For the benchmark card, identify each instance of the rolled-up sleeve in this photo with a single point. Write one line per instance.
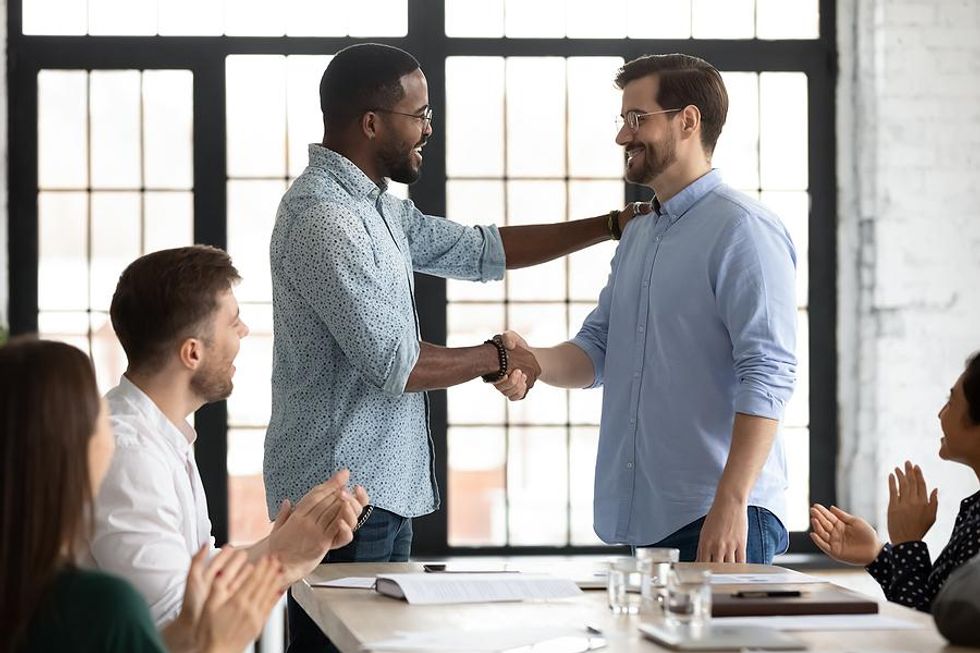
(445, 248)
(755, 292)
(330, 262)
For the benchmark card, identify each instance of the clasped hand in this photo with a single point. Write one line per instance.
(523, 368)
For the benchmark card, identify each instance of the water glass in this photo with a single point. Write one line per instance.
(621, 601)
(688, 597)
(654, 565)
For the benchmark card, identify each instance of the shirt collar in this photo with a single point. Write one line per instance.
(678, 205)
(345, 172)
(181, 438)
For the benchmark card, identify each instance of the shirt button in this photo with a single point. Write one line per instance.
(646, 284)
(629, 465)
(636, 375)
(632, 420)
(642, 328)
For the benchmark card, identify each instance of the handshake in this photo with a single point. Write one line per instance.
(523, 368)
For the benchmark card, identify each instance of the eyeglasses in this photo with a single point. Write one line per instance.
(632, 118)
(425, 116)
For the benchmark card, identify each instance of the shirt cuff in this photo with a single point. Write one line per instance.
(757, 402)
(494, 261)
(596, 354)
(881, 567)
(406, 356)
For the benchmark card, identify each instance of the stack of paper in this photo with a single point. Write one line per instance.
(427, 589)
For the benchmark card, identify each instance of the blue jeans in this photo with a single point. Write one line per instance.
(767, 538)
(384, 537)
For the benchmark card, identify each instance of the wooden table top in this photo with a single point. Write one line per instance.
(353, 617)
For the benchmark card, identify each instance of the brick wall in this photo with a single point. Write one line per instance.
(909, 239)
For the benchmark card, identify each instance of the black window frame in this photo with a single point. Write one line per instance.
(426, 39)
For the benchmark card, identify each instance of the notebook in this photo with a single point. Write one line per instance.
(824, 599)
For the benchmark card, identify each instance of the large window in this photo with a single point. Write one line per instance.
(130, 137)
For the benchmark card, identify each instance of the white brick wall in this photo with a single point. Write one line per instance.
(909, 239)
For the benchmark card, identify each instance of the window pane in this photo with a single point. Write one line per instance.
(478, 509)
(475, 402)
(797, 442)
(251, 402)
(116, 129)
(108, 356)
(191, 17)
(787, 19)
(783, 143)
(737, 152)
(251, 215)
(542, 325)
(126, 17)
(588, 269)
(63, 251)
(317, 17)
(582, 456)
(474, 116)
(536, 117)
(69, 327)
(530, 202)
(247, 515)
(62, 129)
(793, 208)
(115, 242)
(590, 19)
(475, 202)
(659, 19)
(379, 18)
(305, 121)
(537, 486)
(475, 18)
(534, 18)
(254, 18)
(55, 17)
(168, 119)
(168, 220)
(723, 19)
(593, 104)
(256, 111)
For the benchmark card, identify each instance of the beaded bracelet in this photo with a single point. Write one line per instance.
(497, 342)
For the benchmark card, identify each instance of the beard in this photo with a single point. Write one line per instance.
(398, 162)
(212, 382)
(655, 161)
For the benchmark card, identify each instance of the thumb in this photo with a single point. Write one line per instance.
(285, 509)
(511, 339)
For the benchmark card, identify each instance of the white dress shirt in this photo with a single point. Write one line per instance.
(151, 514)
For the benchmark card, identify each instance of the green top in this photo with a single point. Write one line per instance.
(91, 611)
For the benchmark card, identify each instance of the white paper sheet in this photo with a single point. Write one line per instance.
(351, 582)
(427, 589)
(823, 622)
(553, 638)
(779, 578)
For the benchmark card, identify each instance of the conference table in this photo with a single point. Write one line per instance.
(352, 618)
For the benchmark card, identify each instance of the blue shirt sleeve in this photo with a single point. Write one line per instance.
(332, 266)
(594, 333)
(754, 275)
(445, 248)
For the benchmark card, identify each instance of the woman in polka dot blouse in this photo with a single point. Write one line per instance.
(903, 567)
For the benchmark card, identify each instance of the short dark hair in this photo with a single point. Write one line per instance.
(49, 408)
(971, 387)
(360, 78)
(166, 296)
(684, 80)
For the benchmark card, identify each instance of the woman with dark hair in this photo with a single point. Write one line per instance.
(56, 448)
(903, 567)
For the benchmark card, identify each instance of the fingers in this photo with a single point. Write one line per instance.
(828, 519)
(513, 386)
(321, 496)
(822, 543)
(903, 484)
(892, 489)
(361, 497)
(934, 502)
(220, 562)
(845, 517)
(199, 561)
(920, 483)
(820, 527)
(641, 208)
(510, 340)
(285, 508)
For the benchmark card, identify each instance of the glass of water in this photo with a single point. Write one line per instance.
(688, 597)
(621, 601)
(654, 565)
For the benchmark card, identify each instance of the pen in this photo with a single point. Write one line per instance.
(767, 594)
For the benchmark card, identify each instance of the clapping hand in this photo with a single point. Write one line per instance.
(911, 507)
(843, 536)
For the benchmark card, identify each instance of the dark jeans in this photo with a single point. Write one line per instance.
(767, 538)
(384, 537)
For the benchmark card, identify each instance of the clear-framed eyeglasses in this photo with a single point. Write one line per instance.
(632, 118)
(425, 116)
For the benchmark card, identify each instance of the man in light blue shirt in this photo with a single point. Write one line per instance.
(350, 370)
(692, 340)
